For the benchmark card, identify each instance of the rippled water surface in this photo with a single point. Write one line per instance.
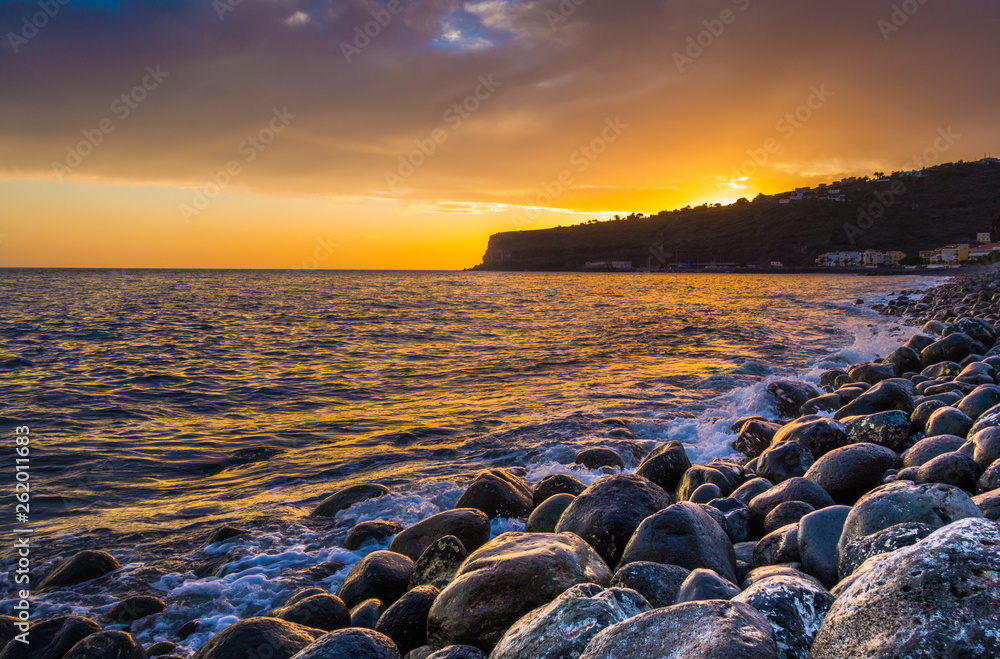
(165, 403)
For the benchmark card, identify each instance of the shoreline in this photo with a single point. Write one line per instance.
(758, 583)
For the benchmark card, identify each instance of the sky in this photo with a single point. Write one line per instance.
(401, 134)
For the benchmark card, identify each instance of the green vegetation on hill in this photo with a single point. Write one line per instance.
(950, 203)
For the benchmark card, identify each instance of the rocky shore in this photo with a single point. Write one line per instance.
(861, 521)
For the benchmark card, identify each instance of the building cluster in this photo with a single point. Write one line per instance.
(867, 259)
(963, 251)
(823, 192)
(608, 265)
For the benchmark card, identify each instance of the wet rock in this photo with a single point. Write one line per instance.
(989, 504)
(792, 570)
(498, 493)
(383, 575)
(556, 484)
(829, 377)
(938, 598)
(366, 614)
(744, 493)
(347, 497)
(817, 433)
(980, 400)
(82, 566)
(350, 644)
(597, 457)
(702, 584)
(789, 512)
(795, 608)
(545, 517)
(607, 513)
(754, 437)
(904, 359)
(303, 593)
(499, 583)
(977, 329)
(884, 541)
(922, 414)
(705, 493)
(929, 448)
(903, 501)
(871, 373)
(319, 611)
(712, 629)
(948, 421)
(51, 638)
(783, 461)
(952, 348)
(933, 327)
(990, 480)
(818, 535)
(850, 472)
(370, 532)
(471, 527)
(780, 546)
(107, 645)
(665, 465)
(565, 626)
(951, 469)
(160, 648)
(699, 475)
(246, 637)
(131, 609)
(985, 446)
(890, 429)
(405, 622)
(457, 652)
(939, 369)
(656, 582)
(683, 534)
(791, 395)
(439, 563)
(794, 489)
(826, 403)
(224, 533)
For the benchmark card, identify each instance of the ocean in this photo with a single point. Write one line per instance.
(163, 404)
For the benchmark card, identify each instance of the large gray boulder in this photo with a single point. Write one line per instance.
(471, 527)
(937, 598)
(850, 472)
(383, 575)
(506, 578)
(565, 626)
(608, 512)
(903, 501)
(794, 606)
(711, 629)
(685, 535)
(882, 542)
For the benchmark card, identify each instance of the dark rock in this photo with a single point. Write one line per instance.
(500, 582)
(107, 645)
(736, 515)
(904, 359)
(82, 566)
(705, 493)
(794, 606)
(405, 622)
(131, 609)
(791, 570)
(665, 465)
(698, 475)
(828, 377)
(658, 583)
(952, 348)
(818, 535)
(948, 421)
(702, 584)
(439, 563)
(347, 497)
(817, 433)
(951, 469)
(871, 373)
(458, 652)
(320, 611)
(160, 648)
(882, 542)
(850, 472)
(498, 493)
(545, 516)
(783, 461)
(52, 638)
(922, 414)
(780, 546)
(607, 513)
(556, 484)
(370, 532)
(931, 447)
(711, 629)
(990, 480)
(890, 395)
(890, 429)
(790, 395)
(939, 369)
(977, 329)
(383, 575)
(789, 512)
(683, 534)
(794, 489)
(303, 593)
(366, 614)
(246, 637)
(849, 393)
(224, 533)
(826, 403)
(746, 492)
(349, 644)
(903, 501)
(754, 437)
(933, 327)
(980, 400)
(565, 626)
(471, 527)
(985, 446)
(595, 458)
(937, 598)
(989, 504)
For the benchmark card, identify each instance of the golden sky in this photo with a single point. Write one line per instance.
(276, 134)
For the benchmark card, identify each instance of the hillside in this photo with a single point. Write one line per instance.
(949, 203)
